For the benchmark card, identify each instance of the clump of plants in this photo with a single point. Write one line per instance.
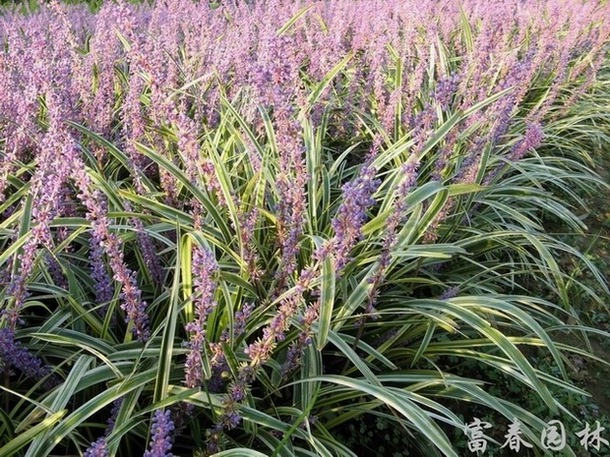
(242, 229)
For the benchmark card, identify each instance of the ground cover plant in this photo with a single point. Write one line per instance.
(241, 229)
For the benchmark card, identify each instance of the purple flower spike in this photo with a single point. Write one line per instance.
(450, 293)
(162, 428)
(103, 283)
(14, 355)
(97, 213)
(204, 269)
(351, 216)
(531, 140)
(97, 449)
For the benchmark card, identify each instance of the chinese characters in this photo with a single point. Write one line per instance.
(552, 438)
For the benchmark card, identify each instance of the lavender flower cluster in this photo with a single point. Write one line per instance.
(204, 268)
(14, 355)
(272, 66)
(99, 448)
(161, 441)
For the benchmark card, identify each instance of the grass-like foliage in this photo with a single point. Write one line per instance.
(242, 228)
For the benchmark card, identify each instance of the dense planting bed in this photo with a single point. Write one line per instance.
(252, 227)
